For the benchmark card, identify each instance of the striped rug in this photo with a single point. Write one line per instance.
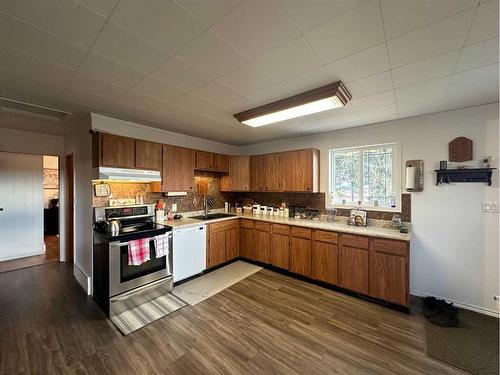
(139, 316)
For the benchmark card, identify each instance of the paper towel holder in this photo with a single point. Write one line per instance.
(418, 184)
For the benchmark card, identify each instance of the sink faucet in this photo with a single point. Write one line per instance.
(205, 204)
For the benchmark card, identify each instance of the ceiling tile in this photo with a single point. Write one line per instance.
(474, 95)
(168, 25)
(121, 45)
(431, 88)
(437, 38)
(474, 77)
(94, 86)
(241, 104)
(197, 105)
(255, 27)
(351, 32)
(143, 102)
(367, 62)
(424, 70)
(385, 112)
(403, 16)
(50, 90)
(373, 101)
(479, 54)
(485, 23)
(31, 66)
(28, 95)
(209, 11)
(308, 15)
(216, 93)
(289, 60)
(110, 71)
(158, 89)
(29, 39)
(415, 107)
(370, 85)
(77, 98)
(247, 79)
(181, 75)
(103, 7)
(67, 19)
(211, 55)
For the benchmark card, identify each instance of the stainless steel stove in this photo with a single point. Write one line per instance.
(119, 286)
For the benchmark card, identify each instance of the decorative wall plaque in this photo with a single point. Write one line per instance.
(460, 149)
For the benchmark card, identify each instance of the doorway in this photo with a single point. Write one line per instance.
(51, 207)
(69, 206)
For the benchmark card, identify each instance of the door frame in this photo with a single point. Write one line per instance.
(68, 218)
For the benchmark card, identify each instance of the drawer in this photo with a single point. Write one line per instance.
(301, 232)
(352, 240)
(382, 245)
(281, 229)
(223, 225)
(262, 226)
(246, 223)
(325, 236)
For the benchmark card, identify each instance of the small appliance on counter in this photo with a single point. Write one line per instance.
(297, 211)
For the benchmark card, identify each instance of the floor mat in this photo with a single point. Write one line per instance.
(199, 289)
(137, 317)
(472, 347)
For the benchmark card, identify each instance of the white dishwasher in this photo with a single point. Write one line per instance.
(189, 251)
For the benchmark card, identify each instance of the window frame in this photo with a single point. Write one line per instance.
(396, 177)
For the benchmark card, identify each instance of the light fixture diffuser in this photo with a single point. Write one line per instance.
(323, 98)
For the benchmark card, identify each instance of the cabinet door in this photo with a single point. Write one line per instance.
(217, 248)
(239, 173)
(246, 243)
(302, 170)
(353, 269)
(177, 169)
(273, 172)
(221, 163)
(204, 160)
(279, 254)
(325, 262)
(256, 173)
(232, 243)
(261, 241)
(117, 151)
(300, 256)
(388, 280)
(148, 155)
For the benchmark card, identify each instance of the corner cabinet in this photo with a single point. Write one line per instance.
(178, 169)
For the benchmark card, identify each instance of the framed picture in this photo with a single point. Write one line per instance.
(357, 218)
(102, 190)
(443, 165)
(50, 178)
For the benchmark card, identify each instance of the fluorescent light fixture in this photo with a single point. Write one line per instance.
(321, 99)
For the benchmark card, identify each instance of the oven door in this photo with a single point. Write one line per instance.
(123, 278)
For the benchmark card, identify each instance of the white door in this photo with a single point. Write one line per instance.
(21, 205)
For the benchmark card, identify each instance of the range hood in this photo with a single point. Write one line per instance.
(125, 174)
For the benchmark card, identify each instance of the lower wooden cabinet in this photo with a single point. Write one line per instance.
(300, 256)
(261, 243)
(246, 243)
(279, 254)
(324, 264)
(223, 242)
(389, 271)
(353, 263)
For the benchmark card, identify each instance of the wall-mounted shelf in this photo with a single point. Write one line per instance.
(446, 176)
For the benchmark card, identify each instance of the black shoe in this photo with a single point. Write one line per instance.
(433, 306)
(446, 318)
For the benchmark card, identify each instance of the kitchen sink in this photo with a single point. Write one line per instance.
(211, 216)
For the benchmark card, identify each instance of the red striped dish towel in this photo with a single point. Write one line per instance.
(138, 251)
(161, 245)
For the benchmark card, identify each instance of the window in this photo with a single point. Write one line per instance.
(365, 174)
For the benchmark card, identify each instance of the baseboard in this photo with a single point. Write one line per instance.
(462, 305)
(83, 279)
(23, 256)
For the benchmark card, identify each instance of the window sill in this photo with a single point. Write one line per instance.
(366, 208)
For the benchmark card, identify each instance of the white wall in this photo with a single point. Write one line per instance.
(130, 129)
(21, 197)
(454, 249)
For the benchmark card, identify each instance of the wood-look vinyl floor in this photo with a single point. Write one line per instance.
(266, 323)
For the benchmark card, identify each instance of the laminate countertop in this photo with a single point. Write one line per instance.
(339, 225)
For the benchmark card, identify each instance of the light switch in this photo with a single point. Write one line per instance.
(174, 207)
(489, 206)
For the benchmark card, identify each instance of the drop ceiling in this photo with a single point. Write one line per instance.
(188, 65)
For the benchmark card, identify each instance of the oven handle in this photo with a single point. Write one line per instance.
(149, 239)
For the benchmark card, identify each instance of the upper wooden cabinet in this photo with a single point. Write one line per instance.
(208, 161)
(238, 178)
(302, 170)
(178, 169)
(291, 171)
(116, 151)
(148, 155)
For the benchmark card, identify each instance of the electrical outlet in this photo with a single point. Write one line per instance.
(174, 207)
(489, 206)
